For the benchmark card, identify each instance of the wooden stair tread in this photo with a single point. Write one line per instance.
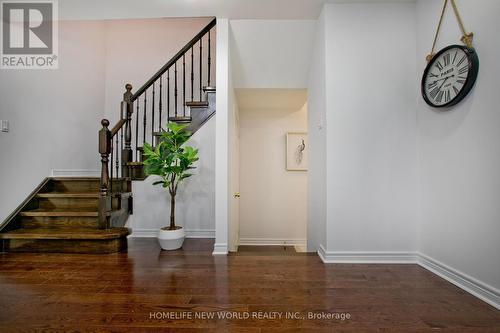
(60, 212)
(209, 89)
(180, 119)
(74, 233)
(76, 179)
(90, 195)
(197, 104)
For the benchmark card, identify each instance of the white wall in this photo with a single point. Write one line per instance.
(195, 205)
(272, 53)
(371, 179)
(459, 155)
(54, 114)
(316, 219)
(225, 105)
(273, 204)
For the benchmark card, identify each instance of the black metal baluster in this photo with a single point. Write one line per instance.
(161, 103)
(192, 73)
(209, 58)
(183, 85)
(168, 96)
(201, 57)
(144, 120)
(137, 130)
(153, 117)
(175, 89)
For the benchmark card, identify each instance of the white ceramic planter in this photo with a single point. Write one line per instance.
(171, 239)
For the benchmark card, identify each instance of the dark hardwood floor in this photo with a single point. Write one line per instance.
(150, 290)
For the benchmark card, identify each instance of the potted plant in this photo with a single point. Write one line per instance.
(171, 161)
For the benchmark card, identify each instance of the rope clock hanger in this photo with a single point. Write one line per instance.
(451, 72)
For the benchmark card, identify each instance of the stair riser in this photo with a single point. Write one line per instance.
(73, 203)
(58, 222)
(75, 186)
(64, 246)
(85, 186)
(137, 172)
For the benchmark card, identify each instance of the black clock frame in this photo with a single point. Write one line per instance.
(473, 60)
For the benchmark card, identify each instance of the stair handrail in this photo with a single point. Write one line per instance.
(174, 59)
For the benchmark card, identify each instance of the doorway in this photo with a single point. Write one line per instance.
(270, 184)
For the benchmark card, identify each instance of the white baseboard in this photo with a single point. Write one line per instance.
(75, 173)
(200, 233)
(220, 249)
(370, 257)
(272, 241)
(473, 286)
(190, 233)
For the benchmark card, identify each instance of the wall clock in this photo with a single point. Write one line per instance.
(451, 73)
(450, 76)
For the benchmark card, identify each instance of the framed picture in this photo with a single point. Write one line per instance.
(297, 147)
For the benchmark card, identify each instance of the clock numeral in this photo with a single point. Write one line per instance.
(432, 85)
(455, 57)
(434, 92)
(447, 59)
(447, 96)
(461, 80)
(433, 75)
(456, 90)
(463, 70)
(439, 66)
(439, 96)
(461, 61)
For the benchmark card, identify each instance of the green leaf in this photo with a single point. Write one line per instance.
(170, 159)
(176, 128)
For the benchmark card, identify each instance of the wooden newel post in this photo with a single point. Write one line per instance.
(104, 150)
(127, 110)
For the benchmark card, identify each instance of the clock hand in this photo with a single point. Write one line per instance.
(446, 79)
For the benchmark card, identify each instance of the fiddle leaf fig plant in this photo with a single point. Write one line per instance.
(171, 160)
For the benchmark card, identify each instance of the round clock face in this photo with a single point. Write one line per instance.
(450, 76)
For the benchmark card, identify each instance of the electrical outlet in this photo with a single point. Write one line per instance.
(4, 125)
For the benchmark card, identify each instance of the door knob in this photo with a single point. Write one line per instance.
(237, 194)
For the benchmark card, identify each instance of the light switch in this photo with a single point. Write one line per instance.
(4, 125)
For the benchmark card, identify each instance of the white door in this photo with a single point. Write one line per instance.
(234, 180)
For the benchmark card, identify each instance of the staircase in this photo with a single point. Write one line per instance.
(61, 215)
(88, 215)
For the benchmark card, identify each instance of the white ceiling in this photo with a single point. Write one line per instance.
(284, 63)
(234, 9)
(262, 99)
